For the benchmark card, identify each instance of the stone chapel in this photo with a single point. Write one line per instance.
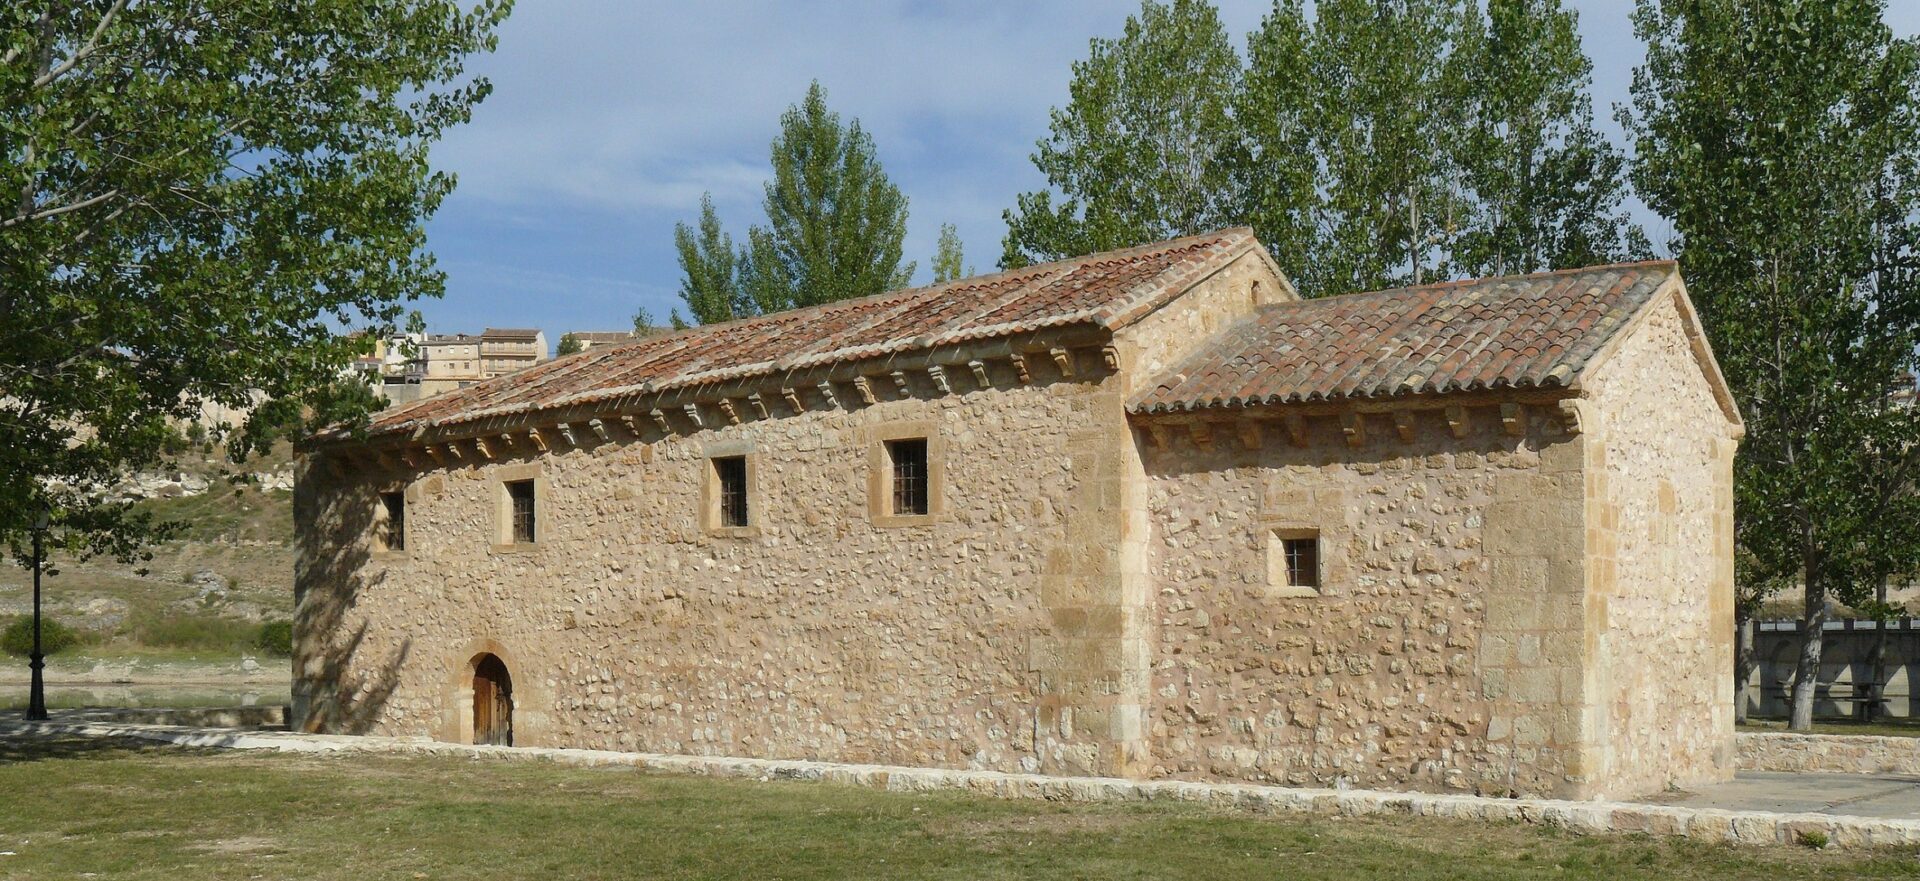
(1144, 513)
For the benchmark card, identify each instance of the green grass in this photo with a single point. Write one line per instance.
(121, 811)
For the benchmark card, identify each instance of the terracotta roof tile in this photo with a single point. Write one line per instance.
(1531, 331)
(1107, 290)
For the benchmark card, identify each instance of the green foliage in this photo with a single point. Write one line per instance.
(1144, 149)
(1546, 186)
(1781, 138)
(1369, 145)
(1811, 838)
(709, 269)
(55, 637)
(949, 259)
(197, 632)
(643, 322)
(569, 345)
(275, 638)
(196, 202)
(835, 224)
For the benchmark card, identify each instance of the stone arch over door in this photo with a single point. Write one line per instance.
(457, 721)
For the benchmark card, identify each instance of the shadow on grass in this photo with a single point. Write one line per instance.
(17, 748)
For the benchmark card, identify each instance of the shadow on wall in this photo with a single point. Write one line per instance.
(336, 688)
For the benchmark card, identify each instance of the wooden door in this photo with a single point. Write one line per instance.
(492, 702)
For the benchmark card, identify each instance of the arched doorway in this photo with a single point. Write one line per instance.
(492, 701)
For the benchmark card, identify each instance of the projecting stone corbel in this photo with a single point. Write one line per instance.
(1020, 367)
(759, 405)
(1457, 421)
(864, 389)
(726, 407)
(1110, 356)
(1062, 359)
(413, 459)
(506, 440)
(1354, 426)
(433, 452)
(1202, 435)
(693, 415)
(599, 429)
(979, 369)
(452, 451)
(1572, 414)
(1513, 419)
(629, 424)
(480, 447)
(1296, 429)
(1249, 430)
(900, 383)
(660, 419)
(793, 400)
(938, 375)
(826, 391)
(538, 438)
(1403, 424)
(566, 433)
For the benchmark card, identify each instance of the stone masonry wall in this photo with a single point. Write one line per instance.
(1382, 680)
(1661, 599)
(1007, 633)
(820, 634)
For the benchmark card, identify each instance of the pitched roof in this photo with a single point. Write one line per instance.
(509, 333)
(1530, 331)
(1106, 290)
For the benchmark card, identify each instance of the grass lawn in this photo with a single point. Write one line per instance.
(125, 811)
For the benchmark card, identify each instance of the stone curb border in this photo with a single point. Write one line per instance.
(1580, 817)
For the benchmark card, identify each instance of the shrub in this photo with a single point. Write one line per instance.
(55, 637)
(1813, 838)
(276, 638)
(198, 632)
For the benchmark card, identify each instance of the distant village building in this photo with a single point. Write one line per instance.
(591, 338)
(1144, 513)
(506, 350)
(449, 361)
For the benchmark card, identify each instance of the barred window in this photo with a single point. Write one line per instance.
(520, 493)
(393, 533)
(730, 477)
(909, 458)
(1303, 562)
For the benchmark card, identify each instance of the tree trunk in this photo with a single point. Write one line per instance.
(1813, 627)
(1742, 664)
(1871, 711)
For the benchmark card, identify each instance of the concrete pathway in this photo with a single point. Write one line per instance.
(1852, 795)
(1757, 808)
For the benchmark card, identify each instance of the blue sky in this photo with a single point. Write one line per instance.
(609, 119)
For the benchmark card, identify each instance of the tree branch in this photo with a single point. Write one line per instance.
(45, 213)
(93, 43)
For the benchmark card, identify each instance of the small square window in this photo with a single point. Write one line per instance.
(1293, 562)
(393, 528)
(730, 478)
(909, 459)
(520, 495)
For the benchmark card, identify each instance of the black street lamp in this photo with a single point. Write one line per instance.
(37, 662)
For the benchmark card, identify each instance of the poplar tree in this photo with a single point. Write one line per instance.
(835, 222)
(1144, 149)
(1545, 187)
(949, 261)
(1781, 137)
(709, 270)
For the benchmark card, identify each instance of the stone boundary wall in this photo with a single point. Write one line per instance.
(1579, 817)
(1828, 753)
